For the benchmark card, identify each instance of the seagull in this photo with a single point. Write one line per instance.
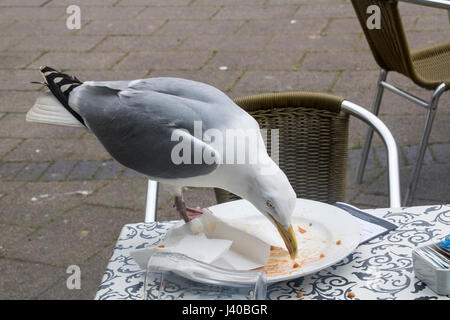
(179, 132)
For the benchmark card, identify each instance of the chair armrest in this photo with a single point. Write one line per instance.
(389, 142)
(442, 4)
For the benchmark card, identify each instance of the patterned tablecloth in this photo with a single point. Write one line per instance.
(379, 269)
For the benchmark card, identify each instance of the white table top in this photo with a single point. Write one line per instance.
(379, 269)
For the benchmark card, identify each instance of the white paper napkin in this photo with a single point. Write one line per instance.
(213, 241)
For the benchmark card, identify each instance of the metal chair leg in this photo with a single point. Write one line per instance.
(431, 113)
(369, 135)
(151, 201)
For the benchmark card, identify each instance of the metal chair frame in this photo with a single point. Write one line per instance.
(430, 106)
(354, 110)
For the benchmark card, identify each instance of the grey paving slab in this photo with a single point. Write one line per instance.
(34, 204)
(58, 170)
(127, 193)
(9, 170)
(84, 170)
(108, 170)
(431, 188)
(411, 152)
(24, 280)
(441, 152)
(91, 272)
(84, 233)
(32, 171)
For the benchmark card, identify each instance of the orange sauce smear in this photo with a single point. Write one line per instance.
(280, 263)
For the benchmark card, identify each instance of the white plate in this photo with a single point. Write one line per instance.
(330, 231)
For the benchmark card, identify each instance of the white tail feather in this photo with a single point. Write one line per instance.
(47, 109)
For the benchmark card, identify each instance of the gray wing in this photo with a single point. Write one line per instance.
(135, 121)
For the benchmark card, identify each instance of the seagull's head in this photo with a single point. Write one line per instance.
(273, 195)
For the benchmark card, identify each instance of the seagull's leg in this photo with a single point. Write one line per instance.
(181, 207)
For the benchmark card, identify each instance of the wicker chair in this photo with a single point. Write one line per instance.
(313, 132)
(313, 141)
(428, 68)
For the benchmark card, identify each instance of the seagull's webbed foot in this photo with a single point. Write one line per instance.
(194, 213)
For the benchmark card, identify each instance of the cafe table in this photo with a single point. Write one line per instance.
(381, 268)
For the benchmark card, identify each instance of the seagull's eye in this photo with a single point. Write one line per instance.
(270, 204)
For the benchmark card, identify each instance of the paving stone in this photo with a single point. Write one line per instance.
(441, 152)
(222, 80)
(267, 60)
(330, 10)
(108, 170)
(199, 197)
(354, 158)
(130, 173)
(283, 27)
(195, 27)
(261, 12)
(58, 43)
(41, 150)
(92, 272)
(338, 61)
(204, 12)
(34, 14)
(35, 204)
(124, 3)
(9, 42)
(10, 60)
(225, 43)
(410, 153)
(84, 170)
(14, 125)
(128, 193)
(58, 170)
(83, 229)
(9, 170)
(19, 80)
(78, 61)
(313, 42)
(164, 61)
(110, 75)
(122, 27)
(30, 27)
(22, 3)
(431, 188)
(381, 154)
(10, 235)
(17, 101)
(431, 23)
(32, 171)
(7, 145)
(419, 40)
(264, 81)
(82, 3)
(153, 43)
(109, 13)
(357, 81)
(32, 277)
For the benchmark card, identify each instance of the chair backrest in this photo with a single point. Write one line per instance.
(313, 141)
(388, 44)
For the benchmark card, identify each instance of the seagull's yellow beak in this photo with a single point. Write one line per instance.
(288, 237)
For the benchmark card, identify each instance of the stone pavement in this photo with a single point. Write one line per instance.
(63, 200)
